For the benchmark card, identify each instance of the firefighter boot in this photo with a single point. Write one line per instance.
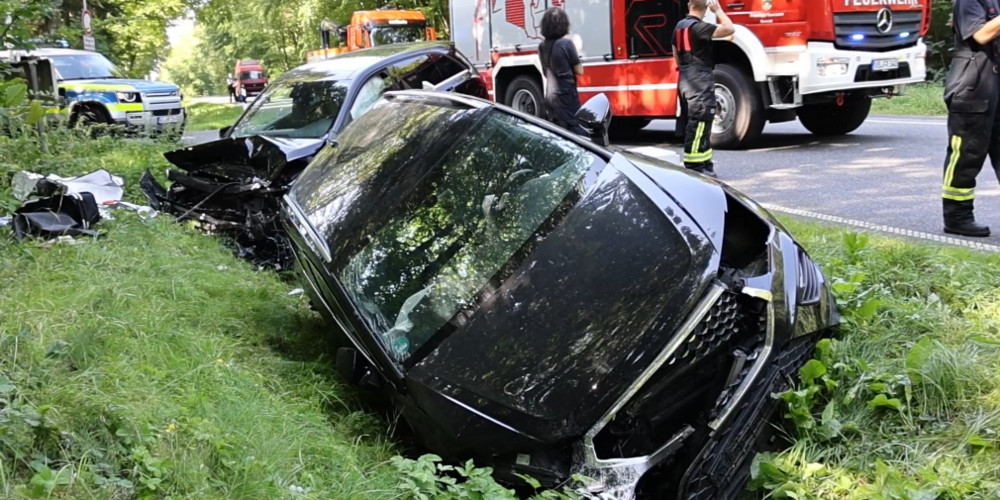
(958, 219)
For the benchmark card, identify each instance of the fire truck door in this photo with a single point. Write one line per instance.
(652, 79)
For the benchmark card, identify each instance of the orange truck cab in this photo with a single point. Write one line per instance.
(250, 75)
(372, 28)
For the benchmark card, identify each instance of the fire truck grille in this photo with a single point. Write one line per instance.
(860, 31)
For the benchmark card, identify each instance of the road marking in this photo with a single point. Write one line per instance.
(909, 122)
(870, 226)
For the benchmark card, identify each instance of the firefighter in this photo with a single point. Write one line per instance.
(692, 42)
(971, 92)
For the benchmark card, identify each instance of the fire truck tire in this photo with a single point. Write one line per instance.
(622, 126)
(525, 95)
(739, 116)
(828, 119)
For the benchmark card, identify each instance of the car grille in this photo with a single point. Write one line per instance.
(718, 326)
(161, 94)
(849, 24)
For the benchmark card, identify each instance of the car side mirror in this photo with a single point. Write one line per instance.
(224, 131)
(595, 115)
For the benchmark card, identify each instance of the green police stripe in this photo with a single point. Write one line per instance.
(101, 87)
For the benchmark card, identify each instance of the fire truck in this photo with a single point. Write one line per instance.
(371, 28)
(821, 61)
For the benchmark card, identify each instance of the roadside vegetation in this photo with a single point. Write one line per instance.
(208, 116)
(151, 363)
(925, 99)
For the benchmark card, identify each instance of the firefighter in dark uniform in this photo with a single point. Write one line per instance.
(692, 42)
(971, 92)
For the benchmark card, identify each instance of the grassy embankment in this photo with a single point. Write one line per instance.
(152, 363)
(921, 99)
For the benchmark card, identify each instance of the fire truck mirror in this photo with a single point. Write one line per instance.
(595, 114)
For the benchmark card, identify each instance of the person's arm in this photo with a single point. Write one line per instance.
(572, 57)
(725, 26)
(989, 32)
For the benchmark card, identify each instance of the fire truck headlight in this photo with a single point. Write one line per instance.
(832, 66)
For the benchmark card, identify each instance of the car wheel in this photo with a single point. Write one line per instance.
(831, 118)
(739, 114)
(525, 95)
(88, 117)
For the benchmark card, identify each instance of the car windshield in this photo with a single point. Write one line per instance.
(296, 107)
(454, 196)
(384, 35)
(85, 67)
(252, 75)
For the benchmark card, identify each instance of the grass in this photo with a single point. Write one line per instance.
(151, 363)
(920, 99)
(208, 116)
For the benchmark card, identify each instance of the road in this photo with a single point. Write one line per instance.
(886, 176)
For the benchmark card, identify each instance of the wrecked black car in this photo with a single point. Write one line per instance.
(233, 186)
(547, 307)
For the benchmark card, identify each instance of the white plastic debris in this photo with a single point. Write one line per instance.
(5, 221)
(221, 268)
(297, 291)
(23, 184)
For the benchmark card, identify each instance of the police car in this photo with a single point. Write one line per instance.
(95, 91)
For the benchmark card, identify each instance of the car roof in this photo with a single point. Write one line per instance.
(55, 52)
(347, 65)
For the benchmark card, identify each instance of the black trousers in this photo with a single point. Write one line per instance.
(697, 87)
(972, 92)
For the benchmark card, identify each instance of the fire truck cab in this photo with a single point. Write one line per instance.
(372, 28)
(822, 62)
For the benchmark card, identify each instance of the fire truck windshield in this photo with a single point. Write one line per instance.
(384, 35)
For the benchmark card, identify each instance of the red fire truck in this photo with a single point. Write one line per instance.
(819, 60)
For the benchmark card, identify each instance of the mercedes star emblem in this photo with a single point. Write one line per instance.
(883, 20)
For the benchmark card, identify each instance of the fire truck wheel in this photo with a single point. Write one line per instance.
(525, 95)
(739, 116)
(828, 118)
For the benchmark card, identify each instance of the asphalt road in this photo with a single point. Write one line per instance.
(886, 176)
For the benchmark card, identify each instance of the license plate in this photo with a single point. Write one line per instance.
(168, 119)
(885, 64)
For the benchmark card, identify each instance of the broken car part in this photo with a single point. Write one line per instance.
(56, 216)
(549, 308)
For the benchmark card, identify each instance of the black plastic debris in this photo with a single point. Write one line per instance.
(56, 216)
(233, 188)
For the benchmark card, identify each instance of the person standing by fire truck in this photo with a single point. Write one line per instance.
(971, 92)
(561, 65)
(692, 42)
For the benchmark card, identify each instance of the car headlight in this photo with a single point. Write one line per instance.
(127, 96)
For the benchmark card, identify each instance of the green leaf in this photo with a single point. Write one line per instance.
(980, 339)
(15, 95)
(868, 309)
(881, 401)
(812, 370)
(978, 442)
(918, 358)
(35, 112)
(530, 480)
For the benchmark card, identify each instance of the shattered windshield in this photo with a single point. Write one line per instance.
(85, 67)
(298, 108)
(472, 193)
(384, 35)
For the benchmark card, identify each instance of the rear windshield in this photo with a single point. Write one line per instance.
(424, 207)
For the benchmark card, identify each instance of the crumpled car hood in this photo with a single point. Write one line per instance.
(587, 311)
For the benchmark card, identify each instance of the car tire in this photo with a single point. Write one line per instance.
(739, 114)
(524, 94)
(88, 117)
(830, 119)
(625, 126)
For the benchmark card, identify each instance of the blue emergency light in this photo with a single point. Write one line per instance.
(857, 37)
(904, 34)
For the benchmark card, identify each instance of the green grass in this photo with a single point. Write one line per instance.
(920, 99)
(906, 404)
(152, 363)
(207, 116)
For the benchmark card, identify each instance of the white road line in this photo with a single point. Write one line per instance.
(870, 226)
(909, 122)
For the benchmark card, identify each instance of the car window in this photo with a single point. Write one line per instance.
(85, 67)
(368, 95)
(460, 226)
(384, 35)
(431, 68)
(294, 108)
